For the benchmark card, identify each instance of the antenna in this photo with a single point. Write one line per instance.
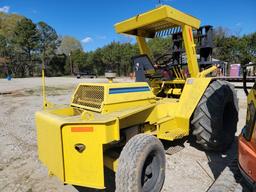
(160, 2)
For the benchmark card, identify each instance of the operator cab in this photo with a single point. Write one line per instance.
(145, 70)
(165, 76)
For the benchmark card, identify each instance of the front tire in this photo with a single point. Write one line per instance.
(141, 165)
(214, 122)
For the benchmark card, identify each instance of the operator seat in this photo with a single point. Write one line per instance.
(144, 68)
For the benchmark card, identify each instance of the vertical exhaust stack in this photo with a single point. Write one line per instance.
(46, 104)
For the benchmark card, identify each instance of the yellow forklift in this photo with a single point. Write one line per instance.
(121, 125)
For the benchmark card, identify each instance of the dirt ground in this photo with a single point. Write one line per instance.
(20, 170)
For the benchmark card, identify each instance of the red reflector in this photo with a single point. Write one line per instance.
(81, 129)
(190, 34)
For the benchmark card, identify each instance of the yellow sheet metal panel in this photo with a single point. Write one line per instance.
(165, 108)
(163, 17)
(170, 134)
(54, 142)
(138, 117)
(193, 91)
(64, 111)
(191, 95)
(111, 132)
(109, 108)
(83, 155)
(167, 124)
(172, 116)
(127, 92)
(50, 143)
(179, 18)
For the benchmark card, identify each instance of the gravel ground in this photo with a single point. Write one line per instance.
(20, 170)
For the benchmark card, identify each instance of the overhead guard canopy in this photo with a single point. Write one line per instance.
(161, 18)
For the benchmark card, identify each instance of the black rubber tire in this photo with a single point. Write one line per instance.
(228, 180)
(214, 122)
(132, 165)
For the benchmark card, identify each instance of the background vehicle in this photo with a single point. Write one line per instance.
(231, 178)
(119, 125)
(86, 74)
(247, 139)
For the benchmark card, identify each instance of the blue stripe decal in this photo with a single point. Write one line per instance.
(128, 90)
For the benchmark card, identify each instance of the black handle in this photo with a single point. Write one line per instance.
(80, 147)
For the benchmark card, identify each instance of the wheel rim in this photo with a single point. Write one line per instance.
(150, 172)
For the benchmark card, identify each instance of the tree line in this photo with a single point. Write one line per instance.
(234, 48)
(25, 45)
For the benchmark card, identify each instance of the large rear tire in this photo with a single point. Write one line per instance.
(214, 122)
(141, 165)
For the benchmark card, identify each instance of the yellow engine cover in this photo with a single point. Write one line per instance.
(110, 97)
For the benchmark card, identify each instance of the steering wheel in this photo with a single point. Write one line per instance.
(163, 60)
